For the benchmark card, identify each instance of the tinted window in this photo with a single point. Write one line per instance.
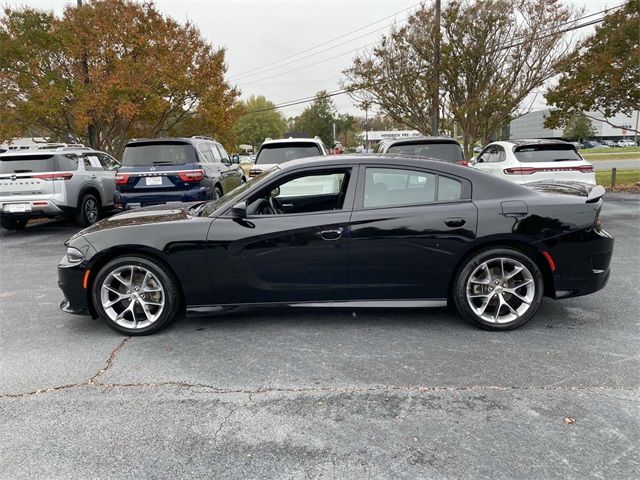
(546, 153)
(449, 189)
(206, 152)
(450, 152)
(27, 164)
(158, 153)
(108, 163)
(283, 152)
(392, 187)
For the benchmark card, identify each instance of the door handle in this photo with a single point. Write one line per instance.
(94, 176)
(455, 222)
(331, 234)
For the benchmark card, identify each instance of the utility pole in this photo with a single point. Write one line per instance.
(366, 105)
(91, 131)
(435, 101)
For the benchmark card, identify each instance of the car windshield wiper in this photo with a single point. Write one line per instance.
(163, 163)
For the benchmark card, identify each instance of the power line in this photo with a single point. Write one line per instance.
(328, 41)
(506, 47)
(312, 55)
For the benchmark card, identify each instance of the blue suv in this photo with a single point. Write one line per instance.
(161, 170)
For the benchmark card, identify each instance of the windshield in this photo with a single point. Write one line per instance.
(144, 154)
(235, 193)
(27, 164)
(450, 152)
(547, 153)
(285, 151)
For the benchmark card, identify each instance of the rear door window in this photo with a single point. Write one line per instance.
(143, 154)
(546, 153)
(92, 163)
(387, 187)
(27, 164)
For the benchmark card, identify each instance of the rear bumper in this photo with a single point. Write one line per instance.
(128, 200)
(33, 208)
(582, 262)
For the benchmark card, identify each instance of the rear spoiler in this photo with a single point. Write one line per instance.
(596, 194)
(591, 193)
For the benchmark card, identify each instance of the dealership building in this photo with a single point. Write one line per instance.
(531, 125)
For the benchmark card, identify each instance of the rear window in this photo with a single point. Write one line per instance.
(158, 153)
(27, 164)
(283, 152)
(450, 152)
(546, 153)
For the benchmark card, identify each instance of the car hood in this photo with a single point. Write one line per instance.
(170, 212)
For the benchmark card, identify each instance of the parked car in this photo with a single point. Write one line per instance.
(477, 149)
(76, 182)
(609, 143)
(245, 162)
(526, 161)
(393, 233)
(161, 170)
(626, 143)
(440, 148)
(274, 152)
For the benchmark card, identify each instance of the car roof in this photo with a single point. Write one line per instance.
(51, 151)
(291, 140)
(533, 141)
(382, 159)
(422, 139)
(171, 139)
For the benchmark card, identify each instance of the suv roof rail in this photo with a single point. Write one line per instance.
(202, 137)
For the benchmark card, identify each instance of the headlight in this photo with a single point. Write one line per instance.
(74, 255)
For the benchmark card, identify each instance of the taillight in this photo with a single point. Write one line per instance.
(191, 175)
(464, 163)
(531, 170)
(54, 176)
(519, 171)
(121, 178)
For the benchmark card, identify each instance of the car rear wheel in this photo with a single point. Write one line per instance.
(217, 193)
(88, 211)
(135, 295)
(14, 223)
(498, 289)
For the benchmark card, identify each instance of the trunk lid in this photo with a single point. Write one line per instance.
(32, 174)
(590, 193)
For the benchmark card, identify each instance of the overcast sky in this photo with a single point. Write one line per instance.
(258, 33)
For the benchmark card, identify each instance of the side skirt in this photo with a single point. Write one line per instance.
(213, 309)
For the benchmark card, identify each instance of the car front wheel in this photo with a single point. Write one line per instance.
(135, 295)
(498, 289)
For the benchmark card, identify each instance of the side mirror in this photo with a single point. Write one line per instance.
(473, 160)
(235, 159)
(239, 210)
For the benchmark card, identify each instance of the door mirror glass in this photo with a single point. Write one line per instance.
(235, 159)
(473, 160)
(239, 210)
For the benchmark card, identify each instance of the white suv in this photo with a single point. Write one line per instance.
(626, 143)
(526, 161)
(78, 182)
(274, 152)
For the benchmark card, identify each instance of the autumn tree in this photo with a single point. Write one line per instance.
(259, 121)
(108, 71)
(604, 76)
(494, 53)
(578, 127)
(318, 119)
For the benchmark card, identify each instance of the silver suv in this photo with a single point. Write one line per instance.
(76, 182)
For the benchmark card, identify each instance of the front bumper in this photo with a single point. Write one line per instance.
(70, 282)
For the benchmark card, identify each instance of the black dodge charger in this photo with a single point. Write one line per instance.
(346, 232)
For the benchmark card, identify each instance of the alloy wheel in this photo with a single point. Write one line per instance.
(500, 290)
(132, 296)
(91, 210)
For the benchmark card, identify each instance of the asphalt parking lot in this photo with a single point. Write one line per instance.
(319, 394)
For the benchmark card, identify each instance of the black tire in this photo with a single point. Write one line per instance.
(13, 223)
(217, 193)
(88, 211)
(462, 302)
(167, 280)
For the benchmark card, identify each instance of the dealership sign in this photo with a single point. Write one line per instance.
(375, 135)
